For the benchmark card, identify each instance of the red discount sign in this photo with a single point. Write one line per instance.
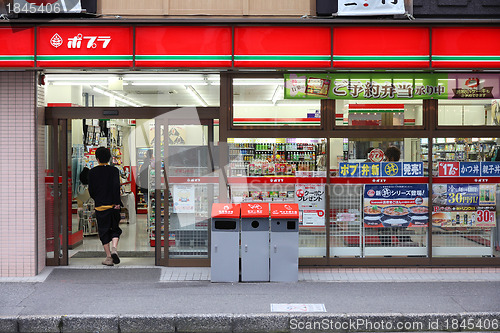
(449, 169)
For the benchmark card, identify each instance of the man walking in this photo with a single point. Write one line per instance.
(104, 188)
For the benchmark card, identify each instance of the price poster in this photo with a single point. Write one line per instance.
(184, 199)
(311, 200)
(396, 205)
(464, 205)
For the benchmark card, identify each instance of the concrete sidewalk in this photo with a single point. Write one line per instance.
(179, 274)
(157, 299)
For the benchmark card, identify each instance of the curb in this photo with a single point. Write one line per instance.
(255, 323)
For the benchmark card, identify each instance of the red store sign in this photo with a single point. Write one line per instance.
(183, 46)
(301, 46)
(17, 47)
(79, 46)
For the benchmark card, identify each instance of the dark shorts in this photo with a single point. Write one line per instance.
(108, 223)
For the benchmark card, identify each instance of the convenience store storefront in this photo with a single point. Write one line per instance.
(237, 113)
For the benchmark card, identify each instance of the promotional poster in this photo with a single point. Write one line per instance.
(464, 205)
(396, 205)
(311, 200)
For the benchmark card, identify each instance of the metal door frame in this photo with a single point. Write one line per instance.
(166, 260)
(57, 119)
(59, 152)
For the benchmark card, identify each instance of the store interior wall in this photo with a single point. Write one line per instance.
(65, 94)
(463, 114)
(277, 111)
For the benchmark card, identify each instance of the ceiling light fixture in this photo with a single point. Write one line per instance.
(169, 83)
(277, 94)
(196, 95)
(116, 96)
(257, 82)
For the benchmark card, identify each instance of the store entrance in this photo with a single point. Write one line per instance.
(168, 170)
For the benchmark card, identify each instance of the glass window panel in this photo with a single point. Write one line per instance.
(378, 113)
(129, 146)
(474, 112)
(260, 102)
(272, 168)
(373, 218)
(184, 155)
(357, 150)
(136, 90)
(464, 217)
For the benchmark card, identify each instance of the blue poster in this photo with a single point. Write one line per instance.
(462, 195)
(396, 205)
(470, 169)
(392, 169)
(369, 169)
(490, 169)
(413, 169)
(384, 169)
(348, 169)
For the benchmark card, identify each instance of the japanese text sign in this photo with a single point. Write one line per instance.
(384, 169)
(288, 210)
(449, 169)
(464, 205)
(463, 195)
(311, 201)
(370, 7)
(184, 199)
(82, 46)
(257, 209)
(469, 169)
(369, 86)
(310, 194)
(491, 169)
(375, 86)
(221, 210)
(396, 205)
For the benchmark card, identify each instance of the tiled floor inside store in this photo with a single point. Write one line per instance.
(134, 239)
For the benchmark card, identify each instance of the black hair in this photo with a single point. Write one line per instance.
(103, 154)
(393, 153)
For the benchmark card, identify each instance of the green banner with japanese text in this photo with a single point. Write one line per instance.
(371, 86)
